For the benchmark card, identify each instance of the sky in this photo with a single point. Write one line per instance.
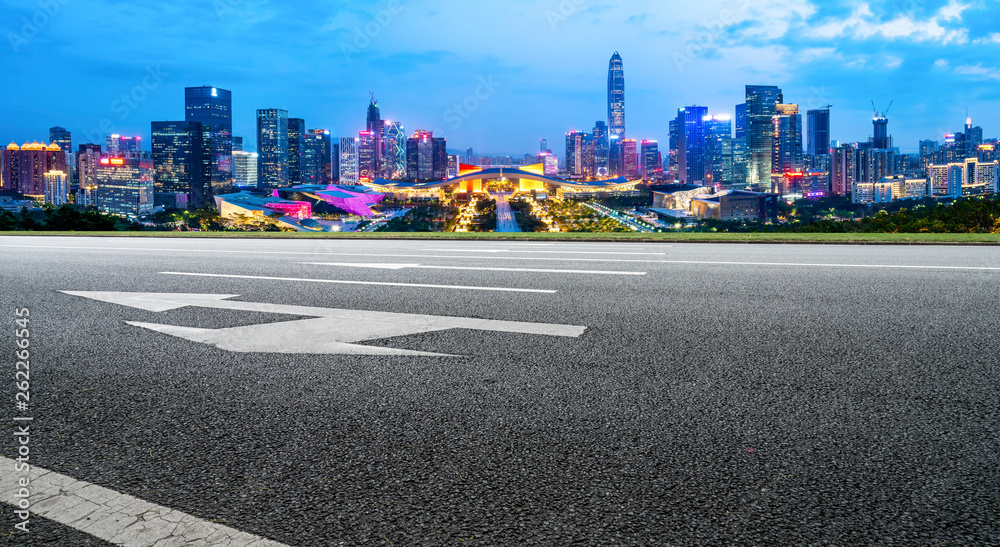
(496, 76)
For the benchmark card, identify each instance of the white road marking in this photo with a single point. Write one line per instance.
(821, 265)
(115, 517)
(377, 283)
(327, 331)
(473, 268)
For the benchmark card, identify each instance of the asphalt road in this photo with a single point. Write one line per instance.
(731, 395)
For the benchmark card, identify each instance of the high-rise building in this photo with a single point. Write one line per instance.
(348, 160)
(600, 143)
(843, 170)
(272, 148)
(212, 107)
(426, 156)
(616, 166)
(64, 139)
(616, 97)
(125, 185)
(375, 127)
(118, 144)
(761, 106)
(329, 174)
(367, 156)
(24, 167)
(630, 159)
(691, 140)
(311, 171)
(787, 139)
(881, 140)
(543, 146)
(575, 152)
(718, 128)
(741, 121)
(245, 169)
(179, 161)
(296, 142)
(819, 131)
(394, 158)
(237, 145)
(57, 188)
(652, 164)
(88, 157)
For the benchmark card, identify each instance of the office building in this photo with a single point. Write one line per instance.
(118, 144)
(616, 167)
(348, 160)
(761, 106)
(652, 162)
(691, 140)
(373, 164)
(616, 97)
(311, 166)
(212, 107)
(179, 161)
(367, 156)
(881, 140)
(57, 188)
(718, 128)
(328, 156)
(237, 144)
(843, 170)
(575, 152)
(88, 157)
(426, 157)
(787, 139)
(244, 169)
(630, 159)
(818, 121)
(741, 121)
(125, 185)
(272, 148)
(296, 142)
(24, 168)
(394, 157)
(599, 138)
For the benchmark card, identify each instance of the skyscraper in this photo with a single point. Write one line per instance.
(367, 156)
(244, 169)
(394, 144)
(375, 127)
(348, 160)
(630, 159)
(691, 141)
(543, 146)
(881, 140)
(179, 161)
(311, 171)
(652, 166)
(718, 128)
(600, 145)
(237, 146)
(296, 141)
(118, 144)
(125, 185)
(24, 167)
(787, 139)
(741, 121)
(212, 107)
(616, 97)
(616, 167)
(575, 150)
(88, 157)
(328, 174)
(819, 131)
(57, 188)
(272, 148)
(761, 106)
(426, 156)
(64, 139)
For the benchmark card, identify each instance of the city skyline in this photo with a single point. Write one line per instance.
(522, 96)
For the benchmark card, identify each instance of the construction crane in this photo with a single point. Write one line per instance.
(883, 114)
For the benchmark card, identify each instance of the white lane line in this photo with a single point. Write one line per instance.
(543, 251)
(421, 267)
(820, 265)
(378, 283)
(115, 517)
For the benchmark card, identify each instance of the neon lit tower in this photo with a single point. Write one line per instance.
(616, 97)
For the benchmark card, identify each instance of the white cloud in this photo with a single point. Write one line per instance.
(893, 62)
(863, 24)
(991, 73)
(993, 38)
(941, 63)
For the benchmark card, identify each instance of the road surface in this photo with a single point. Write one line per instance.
(295, 392)
(505, 216)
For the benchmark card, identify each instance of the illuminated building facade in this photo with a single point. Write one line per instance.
(245, 169)
(787, 139)
(630, 159)
(179, 161)
(272, 148)
(296, 145)
(652, 162)
(88, 157)
(843, 170)
(313, 147)
(375, 127)
(691, 145)
(24, 167)
(118, 144)
(600, 145)
(57, 188)
(761, 106)
(616, 167)
(575, 152)
(125, 185)
(426, 157)
(212, 107)
(367, 156)
(62, 137)
(718, 128)
(348, 160)
(616, 97)
(394, 159)
(818, 131)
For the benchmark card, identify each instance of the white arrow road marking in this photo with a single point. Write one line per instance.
(115, 517)
(328, 331)
(420, 267)
(379, 283)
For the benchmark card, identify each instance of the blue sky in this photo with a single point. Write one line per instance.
(539, 68)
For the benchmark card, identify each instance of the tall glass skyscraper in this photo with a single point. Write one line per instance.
(652, 162)
(212, 107)
(575, 150)
(375, 128)
(600, 140)
(616, 97)
(272, 148)
(394, 158)
(312, 159)
(328, 173)
(296, 142)
(787, 124)
(348, 159)
(692, 165)
(179, 161)
(761, 106)
(367, 156)
(819, 131)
